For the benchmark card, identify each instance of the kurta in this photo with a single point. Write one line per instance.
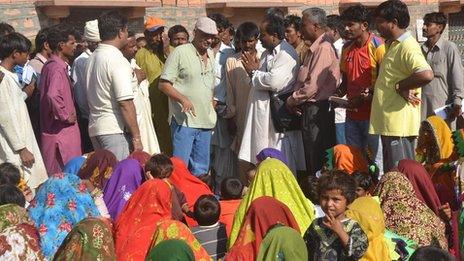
(16, 130)
(277, 72)
(153, 65)
(61, 140)
(143, 110)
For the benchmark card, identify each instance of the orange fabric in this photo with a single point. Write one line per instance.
(154, 21)
(136, 225)
(191, 186)
(349, 159)
(228, 209)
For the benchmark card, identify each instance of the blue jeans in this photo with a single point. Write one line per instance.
(340, 133)
(357, 134)
(192, 146)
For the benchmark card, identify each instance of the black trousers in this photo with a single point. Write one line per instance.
(318, 132)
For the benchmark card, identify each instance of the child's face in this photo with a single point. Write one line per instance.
(360, 192)
(333, 202)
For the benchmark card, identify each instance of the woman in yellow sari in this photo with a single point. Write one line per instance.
(274, 179)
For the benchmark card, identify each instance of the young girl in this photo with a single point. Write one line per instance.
(335, 237)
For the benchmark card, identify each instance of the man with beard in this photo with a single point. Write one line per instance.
(188, 81)
(151, 59)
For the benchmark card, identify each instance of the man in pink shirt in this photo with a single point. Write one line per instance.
(61, 138)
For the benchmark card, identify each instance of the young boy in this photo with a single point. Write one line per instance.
(210, 232)
(231, 196)
(10, 174)
(363, 184)
(335, 237)
(10, 194)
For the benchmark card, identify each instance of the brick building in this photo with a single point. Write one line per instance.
(28, 16)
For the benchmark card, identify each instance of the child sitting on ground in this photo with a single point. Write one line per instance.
(231, 196)
(10, 174)
(335, 237)
(250, 176)
(210, 232)
(363, 184)
(159, 166)
(10, 194)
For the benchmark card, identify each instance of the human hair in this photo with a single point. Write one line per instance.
(431, 253)
(317, 15)
(339, 180)
(220, 20)
(309, 187)
(362, 180)
(5, 29)
(40, 39)
(159, 166)
(231, 188)
(247, 31)
(59, 34)
(207, 210)
(335, 23)
(130, 34)
(394, 10)
(13, 42)
(177, 29)
(275, 25)
(109, 24)
(293, 20)
(437, 18)
(9, 174)
(275, 11)
(356, 13)
(10, 194)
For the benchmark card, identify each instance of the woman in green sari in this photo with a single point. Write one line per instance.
(283, 243)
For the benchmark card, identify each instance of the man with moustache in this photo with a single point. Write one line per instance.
(188, 81)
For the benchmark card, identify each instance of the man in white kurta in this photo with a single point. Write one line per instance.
(16, 131)
(278, 68)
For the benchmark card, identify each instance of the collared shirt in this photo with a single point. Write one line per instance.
(194, 79)
(391, 115)
(319, 76)
(447, 84)
(220, 89)
(79, 78)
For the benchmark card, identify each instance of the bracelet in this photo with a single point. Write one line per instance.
(96, 193)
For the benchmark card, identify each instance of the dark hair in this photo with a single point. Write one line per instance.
(221, 21)
(247, 31)
(10, 194)
(231, 188)
(362, 180)
(207, 210)
(338, 179)
(177, 29)
(275, 11)
(232, 31)
(293, 20)
(335, 23)
(5, 29)
(60, 34)
(437, 18)
(9, 174)
(14, 42)
(356, 13)
(394, 9)
(309, 188)
(40, 39)
(130, 34)
(160, 166)
(431, 253)
(275, 25)
(110, 23)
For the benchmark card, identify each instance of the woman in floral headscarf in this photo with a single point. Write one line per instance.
(98, 168)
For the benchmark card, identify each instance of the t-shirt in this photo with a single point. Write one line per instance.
(391, 115)
(108, 81)
(195, 80)
(213, 239)
(360, 66)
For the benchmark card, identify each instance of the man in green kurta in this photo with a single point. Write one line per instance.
(151, 59)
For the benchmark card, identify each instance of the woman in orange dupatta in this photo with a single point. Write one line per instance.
(263, 214)
(346, 158)
(191, 186)
(135, 226)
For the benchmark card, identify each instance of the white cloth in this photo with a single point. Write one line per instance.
(79, 78)
(278, 71)
(143, 110)
(16, 130)
(91, 32)
(108, 81)
(340, 113)
(220, 85)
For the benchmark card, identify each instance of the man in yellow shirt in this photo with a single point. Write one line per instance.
(395, 113)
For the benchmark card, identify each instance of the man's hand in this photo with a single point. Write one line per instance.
(140, 74)
(187, 106)
(137, 143)
(27, 158)
(29, 89)
(408, 95)
(445, 212)
(250, 62)
(292, 106)
(455, 111)
(72, 118)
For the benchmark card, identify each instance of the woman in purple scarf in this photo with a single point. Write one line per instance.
(271, 153)
(127, 177)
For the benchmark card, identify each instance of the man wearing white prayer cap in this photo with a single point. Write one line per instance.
(92, 38)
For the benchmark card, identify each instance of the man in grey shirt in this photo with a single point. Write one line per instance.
(445, 60)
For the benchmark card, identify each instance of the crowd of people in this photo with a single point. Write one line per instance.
(320, 137)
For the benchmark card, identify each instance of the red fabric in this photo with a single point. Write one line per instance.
(191, 186)
(263, 214)
(421, 182)
(228, 209)
(141, 156)
(136, 225)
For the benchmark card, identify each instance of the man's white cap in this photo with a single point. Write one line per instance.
(206, 25)
(91, 32)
